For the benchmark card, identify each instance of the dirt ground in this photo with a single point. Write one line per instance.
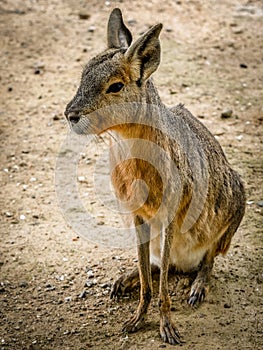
(55, 284)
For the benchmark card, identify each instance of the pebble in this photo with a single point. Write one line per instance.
(81, 178)
(90, 274)
(227, 114)
(243, 65)
(91, 29)
(83, 294)
(23, 284)
(39, 65)
(260, 203)
(56, 117)
(50, 287)
(238, 31)
(22, 217)
(239, 137)
(84, 15)
(9, 214)
(92, 282)
(101, 223)
(89, 284)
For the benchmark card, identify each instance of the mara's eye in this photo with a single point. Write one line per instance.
(116, 87)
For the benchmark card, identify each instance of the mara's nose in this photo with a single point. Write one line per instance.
(72, 117)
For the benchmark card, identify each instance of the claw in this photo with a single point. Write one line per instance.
(169, 333)
(118, 289)
(197, 295)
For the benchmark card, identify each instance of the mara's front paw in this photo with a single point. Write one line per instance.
(169, 332)
(198, 292)
(118, 289)
(125, 284)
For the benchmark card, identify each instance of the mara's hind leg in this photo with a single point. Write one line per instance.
(200, 286)
(129, 281)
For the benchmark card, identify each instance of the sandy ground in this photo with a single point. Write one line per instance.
(55, 284)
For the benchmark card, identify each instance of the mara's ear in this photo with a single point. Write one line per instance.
(144, 54)
(118, 34)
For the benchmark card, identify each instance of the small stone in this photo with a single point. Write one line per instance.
(55, 117)
(260, 203)
(50, 287)
(81, 178)
(39, 65)
(237, 31)
(9, 214)
(23, 284)
(10, 89)
(22, 217)
(83, 294)
(227, 114)
(84, 15)
(91, 29)
(227, 306)
(243, 65)
(90, 274)
(239, 137)
(89, 284)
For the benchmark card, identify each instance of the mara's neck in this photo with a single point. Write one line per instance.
(152, 95)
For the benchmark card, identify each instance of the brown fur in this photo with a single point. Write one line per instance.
(188, 245)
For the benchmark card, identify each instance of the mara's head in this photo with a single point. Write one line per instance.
(117, 75)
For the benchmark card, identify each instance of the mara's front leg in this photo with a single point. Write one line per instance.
(143, 242)
(168, 331)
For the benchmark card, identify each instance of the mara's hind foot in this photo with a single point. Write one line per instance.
(200, 286)
(128, 282)
(168, 331)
